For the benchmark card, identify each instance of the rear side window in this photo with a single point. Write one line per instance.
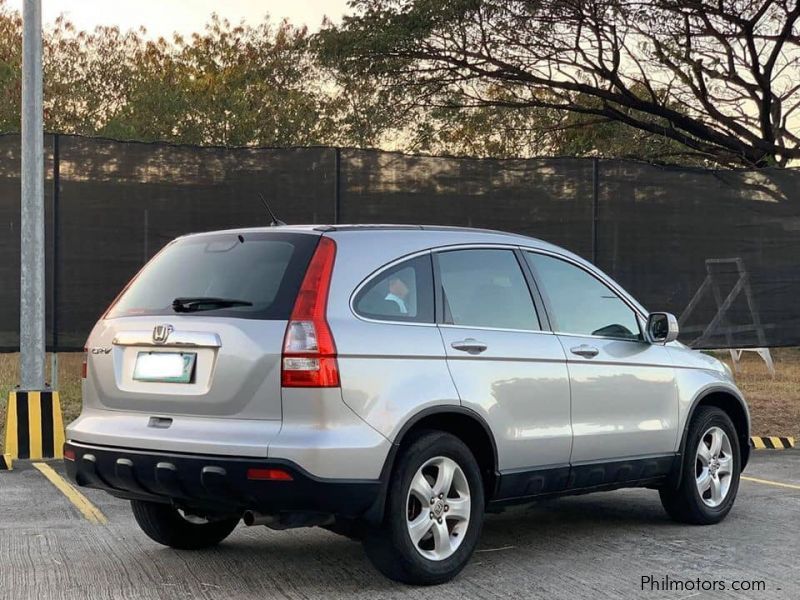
(403, 292)
(485, 288)
(262, 272)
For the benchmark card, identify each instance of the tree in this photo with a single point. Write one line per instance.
(10, 69)
(228, 85)
(718, 80)
(496, 129)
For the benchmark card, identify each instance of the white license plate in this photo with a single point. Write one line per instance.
(166, 367)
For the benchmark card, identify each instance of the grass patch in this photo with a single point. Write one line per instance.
(774, 401)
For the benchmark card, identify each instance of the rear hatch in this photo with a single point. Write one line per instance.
(199, 332)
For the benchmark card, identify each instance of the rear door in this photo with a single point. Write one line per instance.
(505, 364)
(624, 396)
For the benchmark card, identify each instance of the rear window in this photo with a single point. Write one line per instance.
(262, 272)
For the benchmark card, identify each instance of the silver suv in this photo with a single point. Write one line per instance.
(391, 383)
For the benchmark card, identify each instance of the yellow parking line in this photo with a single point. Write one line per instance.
(81, 502)
(791, 486)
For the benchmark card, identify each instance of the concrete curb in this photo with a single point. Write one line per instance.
(34, 425)
(763, 442)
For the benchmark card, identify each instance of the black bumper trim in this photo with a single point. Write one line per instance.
(214, 483)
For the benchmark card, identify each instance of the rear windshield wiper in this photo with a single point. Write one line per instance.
(193, 304)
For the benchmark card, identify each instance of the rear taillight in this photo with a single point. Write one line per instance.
(84, 365)
(309, 353)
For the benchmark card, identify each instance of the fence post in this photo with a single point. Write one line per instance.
(337, 190)
(595, 205)
(54, 235)
(146, 237)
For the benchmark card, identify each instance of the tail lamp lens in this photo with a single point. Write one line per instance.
(309, 352)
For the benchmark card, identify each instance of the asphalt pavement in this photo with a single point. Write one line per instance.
(603, 545)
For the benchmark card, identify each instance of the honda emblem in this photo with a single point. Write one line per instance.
(161, 333)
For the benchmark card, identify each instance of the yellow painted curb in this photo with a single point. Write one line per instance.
(771, 442)
(34, 426)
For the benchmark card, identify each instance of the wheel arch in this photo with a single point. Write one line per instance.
(734, 406)
(465, 424)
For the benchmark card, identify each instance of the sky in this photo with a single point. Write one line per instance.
(163, 17)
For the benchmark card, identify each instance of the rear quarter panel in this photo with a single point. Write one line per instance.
(389, 371)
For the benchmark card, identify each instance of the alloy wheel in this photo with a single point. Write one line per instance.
(714, 467)
(438, 508)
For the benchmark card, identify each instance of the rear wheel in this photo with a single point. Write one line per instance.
(172, 527)
(711, 467)
(434, 512)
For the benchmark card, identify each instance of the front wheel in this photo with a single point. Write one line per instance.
(711, 468)
(434, 512)
(169, 526)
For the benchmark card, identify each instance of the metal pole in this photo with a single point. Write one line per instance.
(595, 205)
(32, 286)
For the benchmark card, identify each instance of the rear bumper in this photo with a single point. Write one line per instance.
(215, 483)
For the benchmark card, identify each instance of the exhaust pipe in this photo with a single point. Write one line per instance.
(252, 518)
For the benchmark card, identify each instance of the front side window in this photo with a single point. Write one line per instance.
(403, 292)
(485, 288)
(581, 304)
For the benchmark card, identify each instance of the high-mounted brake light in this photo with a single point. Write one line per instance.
(309, 352)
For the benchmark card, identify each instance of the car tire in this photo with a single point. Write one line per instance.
(164, 524)
(428, 541)
(703, 496)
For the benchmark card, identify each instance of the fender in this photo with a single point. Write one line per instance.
(374, 514)
(744, 449)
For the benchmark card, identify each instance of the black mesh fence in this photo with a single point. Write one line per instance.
(718, 248)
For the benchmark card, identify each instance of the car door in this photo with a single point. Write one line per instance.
(504, 364)
(624, 396)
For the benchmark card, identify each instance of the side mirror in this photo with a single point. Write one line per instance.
(662, 328)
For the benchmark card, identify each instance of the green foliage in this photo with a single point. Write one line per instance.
(10, 69)
(229, 85)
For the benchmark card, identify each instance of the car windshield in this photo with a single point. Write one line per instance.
(247, 275)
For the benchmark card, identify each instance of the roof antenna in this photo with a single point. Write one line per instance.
(274, 221)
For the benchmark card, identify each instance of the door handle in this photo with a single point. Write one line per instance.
(585, 350)
(470, 345)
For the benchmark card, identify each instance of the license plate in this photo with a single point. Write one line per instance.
(165, 367)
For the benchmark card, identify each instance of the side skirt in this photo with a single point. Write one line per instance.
(516, 487)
